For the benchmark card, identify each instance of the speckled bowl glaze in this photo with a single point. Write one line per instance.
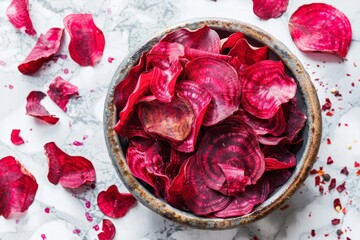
(308, 102)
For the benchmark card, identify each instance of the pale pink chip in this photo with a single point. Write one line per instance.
(35, 109)
(17, 187)
(87, 41)
(69, 171)
(108, 230)
(16, 138)
(18, 14)
(115, 204)
(60, 91)
(319, 27)
(266, 9)
(46, 46)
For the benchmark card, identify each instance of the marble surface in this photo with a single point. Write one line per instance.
(58, 213)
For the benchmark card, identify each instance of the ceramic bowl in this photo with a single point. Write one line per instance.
(307, 100)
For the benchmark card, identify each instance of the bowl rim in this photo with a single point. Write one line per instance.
(314, 129)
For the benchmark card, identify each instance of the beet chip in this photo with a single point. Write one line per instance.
(18, 14)
(248, 54)
(108, 230)
(46, 46)
(266, 9)
(278, 157)
(319, 27)
(87, 41)
(16, 138)
(113, 203)
(17, 187)
(70, 171)
(60, 91)
(35, 109)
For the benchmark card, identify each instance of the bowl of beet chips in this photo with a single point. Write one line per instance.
(212, 123)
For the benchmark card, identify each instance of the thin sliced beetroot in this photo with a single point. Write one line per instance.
(192, 53)
(320, 27)
(87, 41)
(265, 87)
(35, 109)
(45, 48)
(163, 54)
(115, 204)
(277, 178)
(247, 53)
(18, 187)
(229, 42)
(278, 157)
(18, 14)
(266, 9)
(69, 171)
(108, 230)
(222, 82)
(204, 38)
(60, 91)
(16, 138)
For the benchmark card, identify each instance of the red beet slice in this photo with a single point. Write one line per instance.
(246, 201)
(87, 41)
(277, 178)
(35, 109)
(266, 9)
(60, 91)
(265, 87)
(236, 147)
(172, 121)
(18, 14)
(247, 53)
(108, 230)
(278, 157)
(16, 138)
(229, 42)
(203, 38)
(70, 171)
(177, 159)
(113, 203)
(222, 82)
(192, 53)
(320, 27)
(163, 54)
(46, 46)
(17, 187)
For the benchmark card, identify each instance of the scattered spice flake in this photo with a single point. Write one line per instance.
(35, 109)
(326, 177)
(329, 160)
(111, 59)
(321, 189)
(358, 172)
(317, 180)
(313, 233)
(43, 236)
(16, 138)
(266, 9)
(45, 48)
(77, 143)
(332, 184)
(76, 231)
(313, 171)
(18, 187)
(18, 14)
(328, 141)
(330, 114)
(113, 203)
(341, 187)
(337, 205)
(327, 105)
(70, 171)
(60, 91)
(335, 221)
(47, 210)
(86, 47)
(356, 164)
(108, 230)
(88, 217)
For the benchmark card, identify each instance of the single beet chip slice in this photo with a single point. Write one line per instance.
(229, 42)
(87, 41)
(320, 27)
(18, 14)
(113, 203)
(35, 109)
(45, 48)
(278, 157)
(265, 87)
(69, 171)
(17, 187)
(247, 53)
(16, 138)
(108, 230)
(266, 9)
(60, 91)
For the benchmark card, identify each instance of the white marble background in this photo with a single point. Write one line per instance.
(126, 24)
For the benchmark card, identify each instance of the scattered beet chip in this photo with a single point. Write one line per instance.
(113, 203)
(45, 48)
(16, 138)
(320, 27)
(266, 9)
(35, 109)
(18, 14)
(265, 87)
(70, 171)
(222, 82)
(17, 187)
(247, 53)
(87, 41)
(278, 157)
(60, 91)
(108, 230)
